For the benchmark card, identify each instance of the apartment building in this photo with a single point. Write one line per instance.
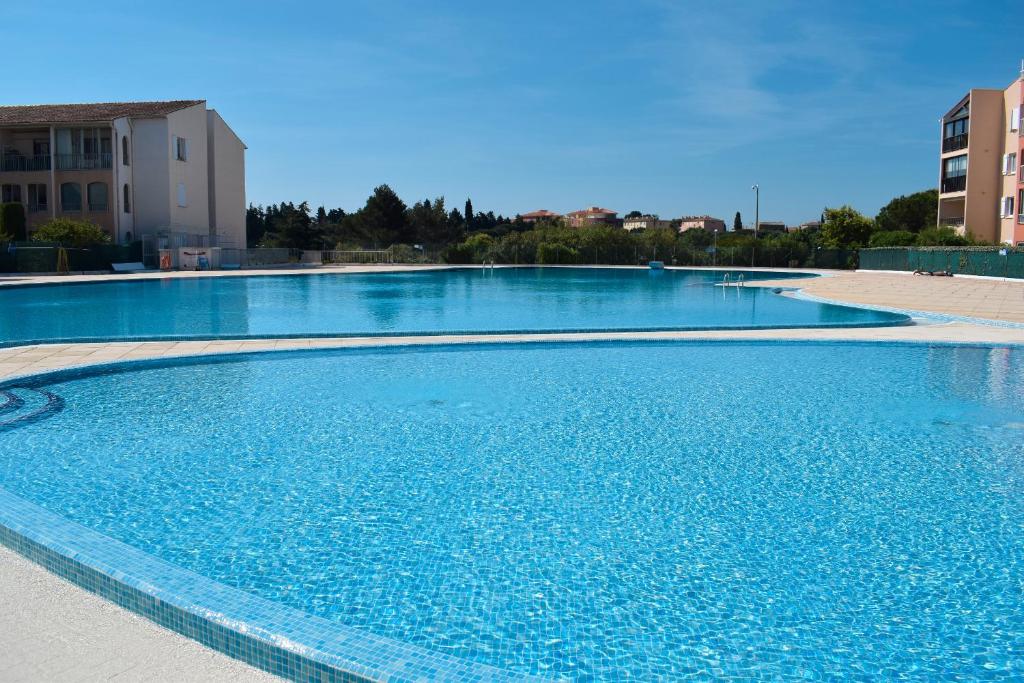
(701, 223)
(592, 215)
(648, 222)
(980, 181)
(133, 168)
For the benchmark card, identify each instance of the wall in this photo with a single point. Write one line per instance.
(194, 218)
(150, 164)
(984, 155)
(226, 168)
(123, 174)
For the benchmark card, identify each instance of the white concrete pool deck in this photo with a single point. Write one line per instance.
(51, 630)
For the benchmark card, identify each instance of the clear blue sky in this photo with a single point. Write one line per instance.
(660, 106)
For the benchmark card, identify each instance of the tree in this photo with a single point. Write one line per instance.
(634, 214)
(893, 238)
(292, 227)
(383, 219)
(845, 228)
(941, 237)
(255, 225)
(737, 222)
(429, 222)
(468, 213)
(913, 213)
(12, 220)
(71, 233)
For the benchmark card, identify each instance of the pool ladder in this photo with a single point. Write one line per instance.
(727, 281)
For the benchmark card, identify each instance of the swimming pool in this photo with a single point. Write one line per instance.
(449, 301)
(588, 511)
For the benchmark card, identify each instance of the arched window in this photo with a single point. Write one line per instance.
(97, 196)
(127, 199)
(70, 197)
(124, 151)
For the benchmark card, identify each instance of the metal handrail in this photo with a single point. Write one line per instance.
(17, 162)
(84, 162)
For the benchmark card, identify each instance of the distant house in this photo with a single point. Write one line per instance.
(701, 223)
(592, 215)
(644, 223)
(132, 168)
(809, 225)
(765, 227)
(540, 215)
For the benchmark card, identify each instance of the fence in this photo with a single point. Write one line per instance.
(990, 261)
(41, 257)
(358, 256)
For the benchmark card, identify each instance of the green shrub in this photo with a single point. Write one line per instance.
(12, 221)
(941, 237)
(893, 238)
(549, 253)
(71, 233)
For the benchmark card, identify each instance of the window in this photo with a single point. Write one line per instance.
(97, 196)
(181, 195)
(70, 197)
(1020, 205)
(180, 148)
(10, 193)
(37, 197)
(1006, 207)
(1010, 163)
(954, 174)
(1015, 119)
(127, 199)
(124, 151)
(954, 128)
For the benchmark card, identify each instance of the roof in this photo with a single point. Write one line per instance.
(701, 218)
(80, 113)
(539, 213)
(592, 209)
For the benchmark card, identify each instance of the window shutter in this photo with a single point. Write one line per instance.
(174, 146)
(188, 155)
(1015, 118)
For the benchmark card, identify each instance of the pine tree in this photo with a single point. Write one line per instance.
(737, 222)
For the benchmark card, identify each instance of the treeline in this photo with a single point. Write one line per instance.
(429, 231)
(385, 220)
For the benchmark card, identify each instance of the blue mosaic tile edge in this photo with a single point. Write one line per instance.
(279, 639)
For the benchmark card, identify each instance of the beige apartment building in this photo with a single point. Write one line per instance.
(701, 223)
(136, 169)
(980, 181)
(590, 216)
(648, 222)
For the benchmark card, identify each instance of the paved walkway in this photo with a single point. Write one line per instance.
(51, 630)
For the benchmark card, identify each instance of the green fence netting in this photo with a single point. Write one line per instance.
(991, 261)
(41, 257)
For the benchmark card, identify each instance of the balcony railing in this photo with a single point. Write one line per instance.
(954, 184)
(84, 162)
(13, 162)
(951, 221)
(954, 143)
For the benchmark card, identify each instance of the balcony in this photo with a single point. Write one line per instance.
(954, 184)
(84, 162)
(13, 162)
(951, 221)
(957, 142)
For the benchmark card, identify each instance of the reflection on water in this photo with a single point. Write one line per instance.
(508, 299)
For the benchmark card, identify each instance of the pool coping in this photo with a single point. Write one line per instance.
(282, 640)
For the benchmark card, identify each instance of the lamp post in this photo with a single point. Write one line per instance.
(757, 208)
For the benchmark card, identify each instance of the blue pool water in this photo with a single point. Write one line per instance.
(504, 299)
(587, 511)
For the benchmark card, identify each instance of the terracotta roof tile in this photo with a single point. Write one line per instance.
(80, 113)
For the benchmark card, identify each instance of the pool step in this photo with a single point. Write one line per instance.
(20, 406)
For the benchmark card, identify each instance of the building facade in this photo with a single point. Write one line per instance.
(980, 181)
(701, 223)
(133, 168)
(644, 223)
(592, 215)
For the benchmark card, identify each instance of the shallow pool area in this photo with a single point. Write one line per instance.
(450, 301)
(584, 511)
